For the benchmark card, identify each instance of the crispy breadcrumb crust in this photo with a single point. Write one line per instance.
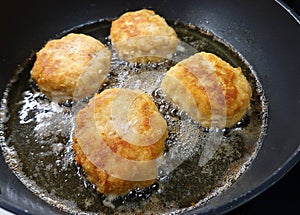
(99, 108)
(61, 64)
(188, 91)
(143, 36)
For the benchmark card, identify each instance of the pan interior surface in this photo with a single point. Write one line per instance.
(37, 145)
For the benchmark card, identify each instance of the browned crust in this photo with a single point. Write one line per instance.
(236, 89)
(101, 105)
(138, 23)
(59, 64)
(142, 36)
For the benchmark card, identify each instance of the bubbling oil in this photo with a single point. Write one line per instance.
(36, 137)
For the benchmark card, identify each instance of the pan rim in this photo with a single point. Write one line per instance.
(289, 10)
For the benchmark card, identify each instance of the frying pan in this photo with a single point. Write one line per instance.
(265, 34)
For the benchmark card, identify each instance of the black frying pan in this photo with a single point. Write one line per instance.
(266, 35)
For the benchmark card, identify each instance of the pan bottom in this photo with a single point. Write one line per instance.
(36, 136)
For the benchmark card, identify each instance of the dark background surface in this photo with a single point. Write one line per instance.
(294, 4)
(283, 196)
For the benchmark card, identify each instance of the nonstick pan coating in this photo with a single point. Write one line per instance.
(265, 34)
